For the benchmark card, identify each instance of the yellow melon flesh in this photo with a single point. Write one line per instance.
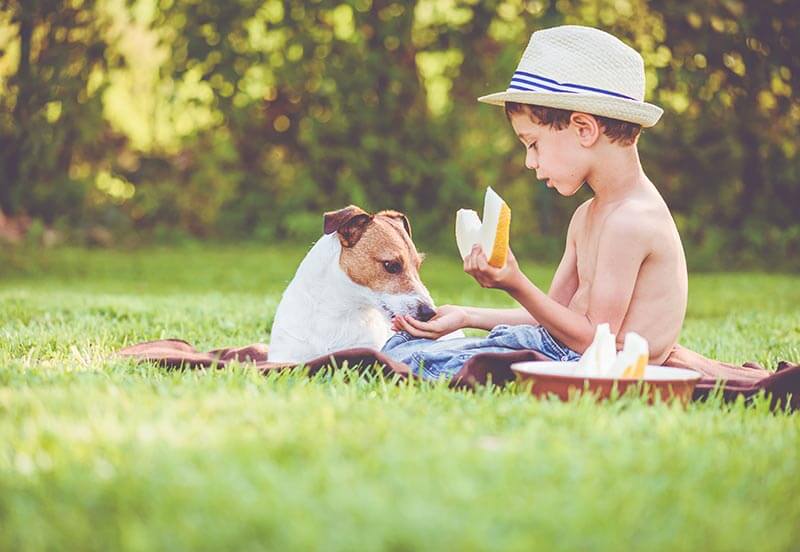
(500, 249)
(636, 370)
(635, 355)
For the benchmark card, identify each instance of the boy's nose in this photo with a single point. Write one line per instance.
(531, 161)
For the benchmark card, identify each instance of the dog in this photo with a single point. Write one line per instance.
(362, 271)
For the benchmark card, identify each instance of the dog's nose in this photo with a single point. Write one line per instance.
(424, 312)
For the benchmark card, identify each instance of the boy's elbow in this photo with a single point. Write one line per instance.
(580, 341)
(582, 345)
(586, 334)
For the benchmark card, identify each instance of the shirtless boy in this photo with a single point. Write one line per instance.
(576, 102)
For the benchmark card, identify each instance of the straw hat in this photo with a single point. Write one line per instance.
(581, 69)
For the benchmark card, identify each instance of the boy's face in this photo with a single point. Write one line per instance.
(556, 155)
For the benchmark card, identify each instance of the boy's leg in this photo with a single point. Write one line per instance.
(531, 337)
(402, 345)
(443, 358)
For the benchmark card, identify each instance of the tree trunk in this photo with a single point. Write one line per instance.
(9, 192)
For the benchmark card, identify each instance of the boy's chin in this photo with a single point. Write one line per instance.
(567, 190)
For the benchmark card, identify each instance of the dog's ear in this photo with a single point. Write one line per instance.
(349, 222)
(398, 215)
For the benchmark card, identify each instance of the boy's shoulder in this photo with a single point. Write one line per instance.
(635, 219)
(579, 216)
(630, 211)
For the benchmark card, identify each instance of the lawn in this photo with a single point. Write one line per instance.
(99, 453)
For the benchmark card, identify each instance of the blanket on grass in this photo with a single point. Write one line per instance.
(747, 380)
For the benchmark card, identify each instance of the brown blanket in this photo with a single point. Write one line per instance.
(783, 385)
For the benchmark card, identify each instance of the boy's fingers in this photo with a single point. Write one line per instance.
(424, 329)
(416, 332)
(407, 327)
(475, 259)
(468, 262)
(483, 263)
(411, 321)
(410, 326)
(472, 262)
(429, 326)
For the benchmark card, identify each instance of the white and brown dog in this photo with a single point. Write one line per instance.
(360, 273)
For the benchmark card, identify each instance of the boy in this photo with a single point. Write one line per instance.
(576, 104)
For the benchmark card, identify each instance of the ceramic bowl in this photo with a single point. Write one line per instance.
(563, 379)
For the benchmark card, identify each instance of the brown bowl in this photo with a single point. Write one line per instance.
(563, 380)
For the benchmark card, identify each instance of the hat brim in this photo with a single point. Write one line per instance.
(631, 111)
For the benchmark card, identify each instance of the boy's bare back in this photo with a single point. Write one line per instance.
(605, 243)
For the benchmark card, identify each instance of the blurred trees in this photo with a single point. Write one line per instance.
(737, 63)
(280, 110)
(53, 135)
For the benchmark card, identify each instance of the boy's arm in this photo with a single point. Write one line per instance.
(486, 319)
(621, 252)
(450, 318)
(565, 280)
(562, 288)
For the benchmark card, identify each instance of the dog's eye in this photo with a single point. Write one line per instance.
(392, 267)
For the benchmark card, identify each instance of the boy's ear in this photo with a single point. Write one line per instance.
(587, 127)
(349, 222)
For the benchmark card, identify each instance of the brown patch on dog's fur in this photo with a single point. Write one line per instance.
(385, 238)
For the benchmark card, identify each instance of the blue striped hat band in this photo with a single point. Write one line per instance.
(528, 82)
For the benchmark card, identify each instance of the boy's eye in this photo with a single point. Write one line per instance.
(532, 145)
(392, 267)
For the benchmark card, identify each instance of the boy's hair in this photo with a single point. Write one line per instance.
(617, 131)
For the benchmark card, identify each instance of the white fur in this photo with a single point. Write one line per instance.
(323, 310)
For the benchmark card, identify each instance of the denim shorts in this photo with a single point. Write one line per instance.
(442, 358)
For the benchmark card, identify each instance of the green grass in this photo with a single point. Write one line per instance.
(100, 453)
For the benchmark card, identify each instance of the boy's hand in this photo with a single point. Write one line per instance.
(477, 265)
(448, 318)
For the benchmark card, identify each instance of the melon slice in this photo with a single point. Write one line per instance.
(633, 358)
(598, 359)
(491, 234)
(602, 360)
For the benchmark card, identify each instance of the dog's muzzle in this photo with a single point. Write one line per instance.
(417, 305)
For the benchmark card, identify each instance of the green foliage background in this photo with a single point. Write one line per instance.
(246, 119)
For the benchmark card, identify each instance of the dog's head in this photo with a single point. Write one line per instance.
(378, 254)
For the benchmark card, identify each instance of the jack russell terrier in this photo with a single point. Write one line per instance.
(360, 273)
